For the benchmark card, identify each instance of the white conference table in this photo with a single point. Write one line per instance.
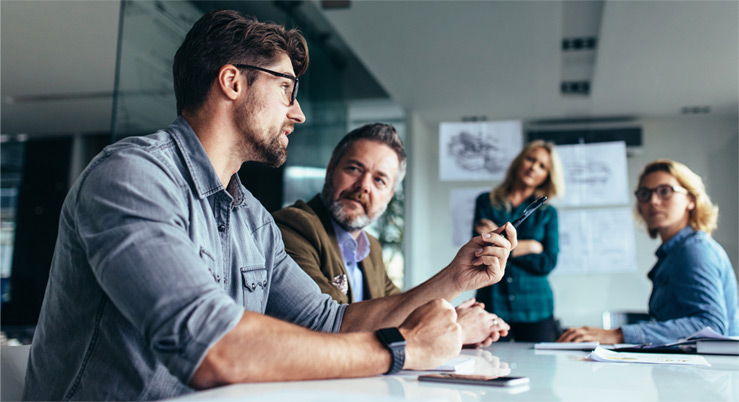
(555, 376)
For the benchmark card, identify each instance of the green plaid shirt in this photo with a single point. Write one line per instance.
(524, 294)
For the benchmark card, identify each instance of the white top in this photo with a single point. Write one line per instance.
(555, 376)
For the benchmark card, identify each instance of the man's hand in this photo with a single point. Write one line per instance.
(485, 225)
(481, 262)
(480, 327)
(590, 334)
(527, 247)
(432, 335)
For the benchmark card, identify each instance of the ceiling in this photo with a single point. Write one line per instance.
(441, 59)
(58, 65)
(501, 59)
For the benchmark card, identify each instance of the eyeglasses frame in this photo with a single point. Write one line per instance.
(276, 74)
(675, 189)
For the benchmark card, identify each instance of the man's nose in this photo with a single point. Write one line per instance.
(295, 113)
(363, 183)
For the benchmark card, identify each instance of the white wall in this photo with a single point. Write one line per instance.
(708, 145)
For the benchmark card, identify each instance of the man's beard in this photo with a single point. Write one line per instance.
(343, 218)
(271, 152)
(267, 148)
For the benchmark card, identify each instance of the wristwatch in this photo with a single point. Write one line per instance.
(394, 341)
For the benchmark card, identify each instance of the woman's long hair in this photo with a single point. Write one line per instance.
(552, 186)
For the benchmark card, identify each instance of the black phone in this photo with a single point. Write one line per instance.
(475, 379)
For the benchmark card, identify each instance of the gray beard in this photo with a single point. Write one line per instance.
(341, 217)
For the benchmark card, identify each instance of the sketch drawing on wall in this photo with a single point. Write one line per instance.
(595, 174)
(596, 240)
(475, 152)
(479, 150)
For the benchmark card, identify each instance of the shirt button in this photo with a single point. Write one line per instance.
(222, 227)
(511, 298)
(509, 280)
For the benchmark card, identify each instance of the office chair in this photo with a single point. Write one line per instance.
(13, 371)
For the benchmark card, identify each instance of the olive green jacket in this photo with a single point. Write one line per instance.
(310, 240)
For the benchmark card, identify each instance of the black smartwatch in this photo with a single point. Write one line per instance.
(394, 341)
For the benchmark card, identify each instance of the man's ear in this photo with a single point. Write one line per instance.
(228, 82)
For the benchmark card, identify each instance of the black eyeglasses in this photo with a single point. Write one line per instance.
(290, 93)
(663, 191)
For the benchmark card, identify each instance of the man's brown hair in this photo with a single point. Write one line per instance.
(227, 37)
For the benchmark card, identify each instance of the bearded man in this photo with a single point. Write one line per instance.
(326, 235)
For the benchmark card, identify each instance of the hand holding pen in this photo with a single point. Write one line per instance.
(486, 225)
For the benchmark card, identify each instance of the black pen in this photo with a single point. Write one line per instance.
(526, 212)
(529, 210)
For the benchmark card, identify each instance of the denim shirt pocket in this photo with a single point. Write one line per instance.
(255, 283)
(210, 263)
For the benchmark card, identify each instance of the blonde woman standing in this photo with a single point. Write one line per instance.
(524, 298)
(693, 282)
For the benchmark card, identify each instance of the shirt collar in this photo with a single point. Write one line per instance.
(204, 177)
(675, 241)
(353, 251)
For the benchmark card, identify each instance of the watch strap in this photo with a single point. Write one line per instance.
(393, 340)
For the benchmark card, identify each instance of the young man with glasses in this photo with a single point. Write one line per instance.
(168, 275)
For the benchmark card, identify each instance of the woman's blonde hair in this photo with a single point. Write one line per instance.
(552, 186)
(705, 214)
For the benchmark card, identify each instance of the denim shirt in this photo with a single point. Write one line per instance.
(154, 262)
(353, 252)
(693, 286)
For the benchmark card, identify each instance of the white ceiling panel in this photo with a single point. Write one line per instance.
(446, 60)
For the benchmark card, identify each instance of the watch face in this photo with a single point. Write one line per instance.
(392, 337)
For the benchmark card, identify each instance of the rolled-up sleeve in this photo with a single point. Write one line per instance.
(294, 296)
(135, 235)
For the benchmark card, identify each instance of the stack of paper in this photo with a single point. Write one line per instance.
(604, 355)
(705, 341)
(709, 342)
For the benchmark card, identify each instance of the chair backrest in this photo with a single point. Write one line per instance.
(13, 371)
(615, 319)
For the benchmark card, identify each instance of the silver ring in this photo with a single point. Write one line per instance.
(495, 321)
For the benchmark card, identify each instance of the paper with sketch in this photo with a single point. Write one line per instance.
(566, 345)
(478, 150)
(596, 241)
(603, 355)
(462, 209)
(595, 174)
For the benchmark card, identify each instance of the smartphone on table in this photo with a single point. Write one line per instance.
(475, 379)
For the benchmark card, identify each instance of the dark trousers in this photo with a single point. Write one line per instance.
(545, 330)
